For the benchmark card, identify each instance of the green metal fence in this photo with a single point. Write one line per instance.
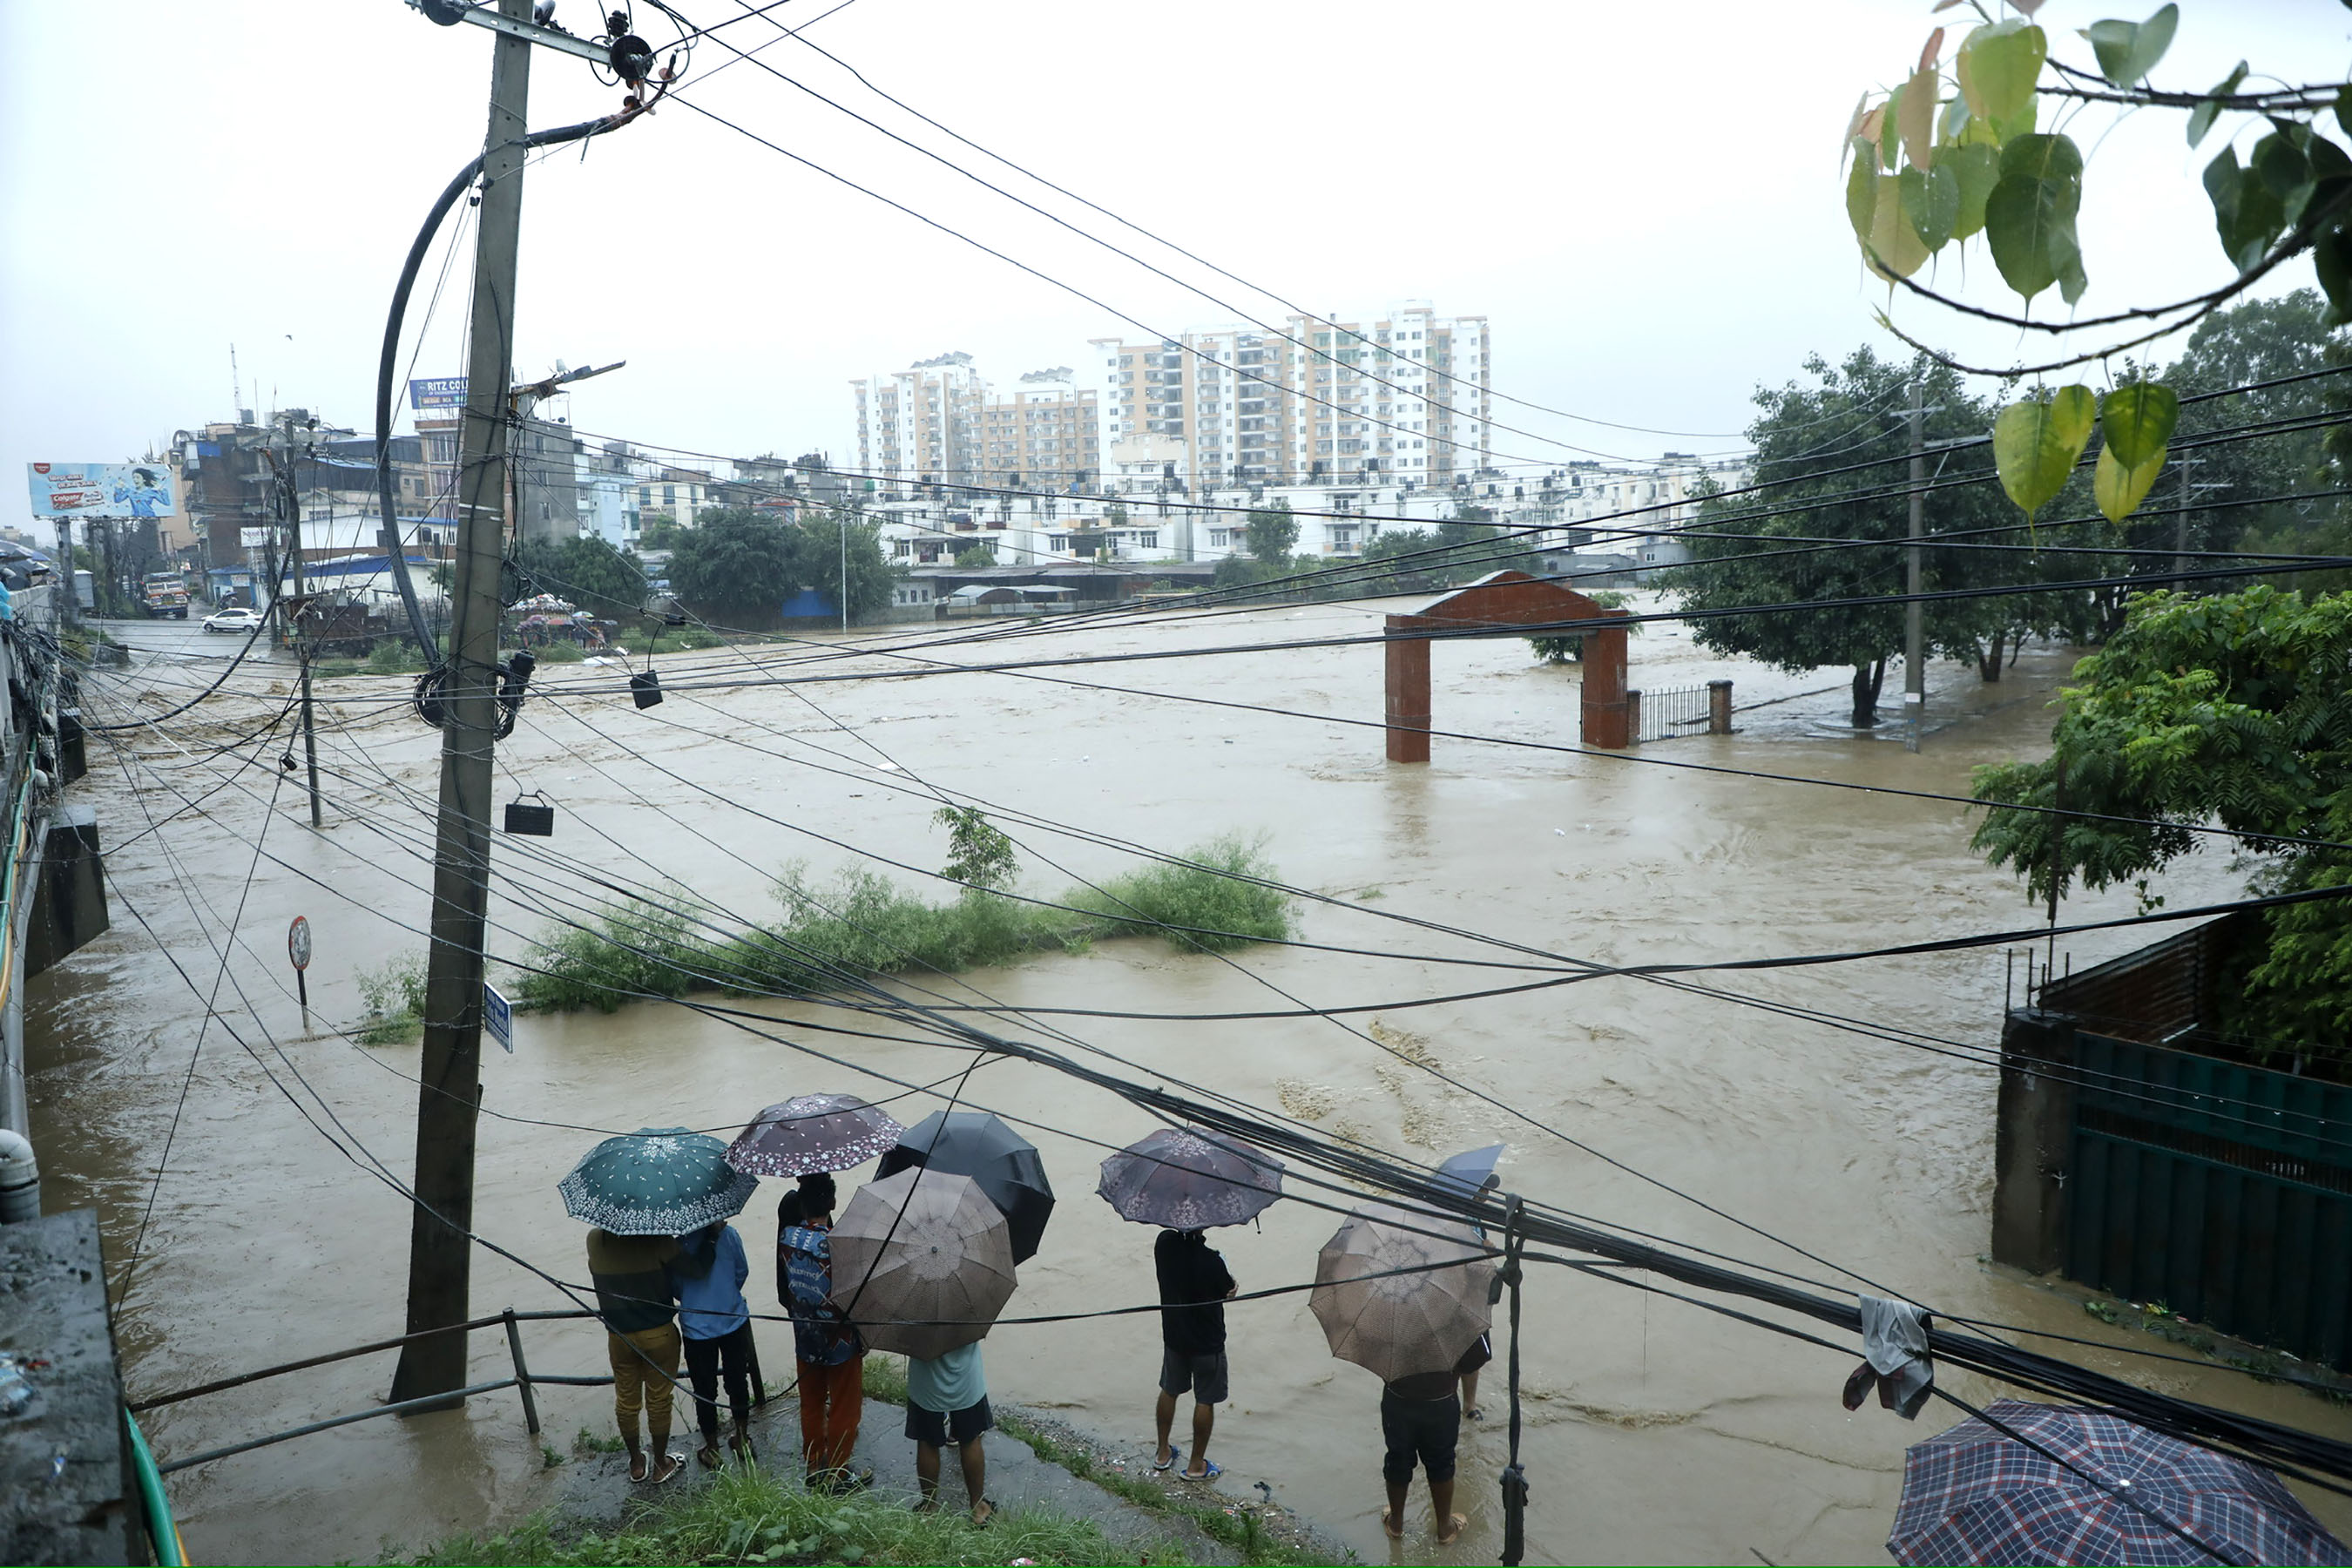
(2221, 1190)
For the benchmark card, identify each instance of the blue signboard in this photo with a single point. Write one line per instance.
(498, 1017)
(437, 392)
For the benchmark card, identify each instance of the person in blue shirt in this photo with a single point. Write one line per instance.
(831, 1355)
(947, 1402)
(715, 1321)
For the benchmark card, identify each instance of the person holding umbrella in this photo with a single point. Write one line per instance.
(831, 1355)
(1194, 1284)
(633, 1296)
(715, 1319)
(640, 1191)
(1184, 1180)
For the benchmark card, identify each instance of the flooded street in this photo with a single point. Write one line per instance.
(1655, 1432)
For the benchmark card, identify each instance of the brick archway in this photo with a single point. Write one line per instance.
(1504, 599)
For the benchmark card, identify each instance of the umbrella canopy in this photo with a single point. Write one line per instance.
(656, 1181)
(1190, 1181)
(1005, 1164)
(813, 1132)
(922, 1262)
(1975, 1495)
(1468, 1171)
(1398, 1324)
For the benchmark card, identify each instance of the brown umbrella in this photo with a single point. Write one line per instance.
(922, 1262)
(1394, 1323)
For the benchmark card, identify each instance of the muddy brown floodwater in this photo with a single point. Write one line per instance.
(1654, 1432)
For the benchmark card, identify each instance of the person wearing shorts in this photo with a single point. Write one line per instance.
(1194, 1285)
(947, 1402)
(1420, 1423)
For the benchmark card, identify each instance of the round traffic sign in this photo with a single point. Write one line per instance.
(297, 942)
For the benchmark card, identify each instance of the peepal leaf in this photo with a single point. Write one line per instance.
(1893, 246)
(2129, 50)
(2331, 254)
(2138, 421)
(2036, 444)
(1998, 68)
(1918, 117)
(2030, 215)
(1862, 191)
(1976, 169)
(2118, 491)
(1931, 202)
(2200, 118)
(2245, 214)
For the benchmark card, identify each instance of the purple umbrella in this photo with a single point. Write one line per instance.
(1975, 1494)
(1190, 1181)
(813, 1132)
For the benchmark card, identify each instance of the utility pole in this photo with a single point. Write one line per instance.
(440, 1250)
(844, 515)
(1915, 630)
(2180, 524)
(290, 503)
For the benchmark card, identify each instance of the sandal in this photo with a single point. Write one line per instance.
(671, 1464)
(1168, 1463)
(639, 1467)
(709, 1455)
(979, 1519)
(1210, 1474)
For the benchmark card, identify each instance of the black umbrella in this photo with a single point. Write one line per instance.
(1002, 1163)
(1189, 1180)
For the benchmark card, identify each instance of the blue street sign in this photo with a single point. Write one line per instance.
(498, 1017)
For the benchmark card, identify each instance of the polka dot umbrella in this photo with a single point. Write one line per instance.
(656, 1181)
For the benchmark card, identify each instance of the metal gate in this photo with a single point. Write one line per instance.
(2220, 1190)
(1669, 711)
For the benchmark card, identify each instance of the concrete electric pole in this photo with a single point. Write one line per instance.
(1915, 629)
(440, 1250)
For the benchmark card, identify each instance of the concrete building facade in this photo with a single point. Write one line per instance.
(922, 424)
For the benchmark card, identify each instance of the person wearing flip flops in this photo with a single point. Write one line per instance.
(715, 1321)
(1420, 1423)
(947, 1402)
(1194, 1285)
(633, 1296)
(832, 1355)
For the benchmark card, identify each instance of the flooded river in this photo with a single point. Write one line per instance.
(1655, 1432)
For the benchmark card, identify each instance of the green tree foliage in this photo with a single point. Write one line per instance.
(1272, 533)
(588, 572)
(658, 531)
(2235, 710)
(1858, 413)
(737, 566)
(1962, 147)
(978, 555)
(734, 567)
(979, 854)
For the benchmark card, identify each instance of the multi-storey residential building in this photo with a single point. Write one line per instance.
(675, 495)
(1403, 398)
(608, 483)
(922, 424)
(1047, 435)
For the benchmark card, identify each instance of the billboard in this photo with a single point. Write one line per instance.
(101, 489)
(437, 392)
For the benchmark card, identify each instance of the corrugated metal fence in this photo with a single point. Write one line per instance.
(2221, 1190)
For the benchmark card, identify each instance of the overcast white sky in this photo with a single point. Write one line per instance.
(1644, 200)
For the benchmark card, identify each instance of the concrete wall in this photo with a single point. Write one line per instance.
(69, 1495)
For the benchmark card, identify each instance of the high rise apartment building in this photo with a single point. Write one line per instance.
(921, 423)
(1404, 398)
(1047, 435)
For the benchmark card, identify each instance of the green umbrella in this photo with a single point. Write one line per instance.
(656, 1181)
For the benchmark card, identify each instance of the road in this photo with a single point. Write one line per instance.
(177, 640)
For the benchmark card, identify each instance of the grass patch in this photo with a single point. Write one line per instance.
(747, 1516)
(394, 656)
(1241, 1530)
(394, 995)
(559, 653)
(862, 924)
(885, 1377)
(670, 639)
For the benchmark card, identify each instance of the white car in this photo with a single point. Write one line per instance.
(232, 620)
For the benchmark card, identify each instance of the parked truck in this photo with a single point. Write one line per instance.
(165, 596)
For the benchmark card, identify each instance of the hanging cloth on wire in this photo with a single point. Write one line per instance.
(1895, 1359)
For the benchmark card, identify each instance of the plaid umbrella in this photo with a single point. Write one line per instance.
(1189, 1181)
(1975, 1495)
(656, 1181)
(813, 1132)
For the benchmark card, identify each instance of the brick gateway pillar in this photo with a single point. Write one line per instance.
(1504, 599)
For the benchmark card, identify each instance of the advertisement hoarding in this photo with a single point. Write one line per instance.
(100, 489)
(437, 392)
